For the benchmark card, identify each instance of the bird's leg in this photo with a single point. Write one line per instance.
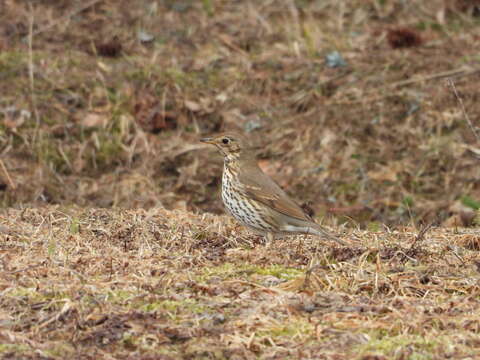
(270, 237)
(300, 244)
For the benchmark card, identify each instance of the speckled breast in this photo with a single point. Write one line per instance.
(247, 211)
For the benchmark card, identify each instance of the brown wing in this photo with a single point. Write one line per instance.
(264, 190)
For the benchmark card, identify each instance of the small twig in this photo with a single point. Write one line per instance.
(7, 175)
(459, 258)
(255, 285)
(67, 306)
(110, 275)
(453, 249)
(31, 267)
(462, 106)
(406, 256)
(380, 93)
(308, 274)
(421, 235)
(450, 73)
(31, 76)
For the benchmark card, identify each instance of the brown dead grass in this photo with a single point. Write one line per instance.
(114, 118)
(102, 105)
(161, 284)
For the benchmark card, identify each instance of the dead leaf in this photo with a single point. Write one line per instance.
(94, 120)
(193, 106)
(386, 173)
(152, 117)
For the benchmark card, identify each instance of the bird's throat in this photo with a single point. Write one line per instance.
(231, 165)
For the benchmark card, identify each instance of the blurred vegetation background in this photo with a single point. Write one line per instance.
(102, 103)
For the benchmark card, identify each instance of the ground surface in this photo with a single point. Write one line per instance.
(102, 103)
(126, 284)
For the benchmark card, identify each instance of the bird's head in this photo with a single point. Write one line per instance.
(232, 146)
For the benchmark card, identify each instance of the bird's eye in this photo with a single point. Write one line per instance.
(225, 141)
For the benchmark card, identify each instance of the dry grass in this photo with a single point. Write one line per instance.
(102, 105)
(160, 284)
(94, 95)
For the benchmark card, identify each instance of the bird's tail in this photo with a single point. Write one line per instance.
(312, 228)
(320, 231)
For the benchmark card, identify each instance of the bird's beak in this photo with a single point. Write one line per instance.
(207, 140)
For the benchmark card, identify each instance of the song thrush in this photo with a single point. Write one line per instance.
(254, 199)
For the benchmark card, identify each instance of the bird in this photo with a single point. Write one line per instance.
(254, 199)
